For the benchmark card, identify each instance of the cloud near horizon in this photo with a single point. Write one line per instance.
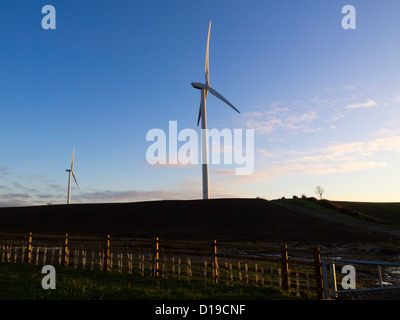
(184, 189)
(334, 158)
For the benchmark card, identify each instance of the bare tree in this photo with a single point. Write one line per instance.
(319, 191)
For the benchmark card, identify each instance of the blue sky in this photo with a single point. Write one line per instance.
(324, 102)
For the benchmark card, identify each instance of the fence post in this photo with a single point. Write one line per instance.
(205, 270)
(76, 258)
(214, 260)
(66, 250)
(285, 267)
(272, 275)
(156, 255)
(52, 256)
(121, 262)
(246, 270)
(240, 273)
(30, 247)
(130, 263)
(83, 259)
(332, 272)
(92, 263)
(380, 277)
(108, 253)
(37, 254)
(179, 268)
(318, 273)
(44, 255)
(8, 252)
(189, 269)
(23, 254)
(325, 281)
(101, 262)
(262, 276)
(15, 254)
(165, 266)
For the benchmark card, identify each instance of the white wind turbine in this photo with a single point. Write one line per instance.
(205, 88)
(71, 171)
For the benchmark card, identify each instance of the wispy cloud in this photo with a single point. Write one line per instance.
(22, 187)
(349, 151)
(55, 187)
(14, 203)
(330, 159)
(351, 86)
(368, 104)
(321, 168)
(265, 123)
(15, 196)
(4, 171)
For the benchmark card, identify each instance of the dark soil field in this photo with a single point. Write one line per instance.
(223, 219)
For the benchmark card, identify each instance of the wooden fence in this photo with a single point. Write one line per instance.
(293, 269)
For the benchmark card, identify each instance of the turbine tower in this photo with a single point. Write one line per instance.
(71, 171)
(205, 88)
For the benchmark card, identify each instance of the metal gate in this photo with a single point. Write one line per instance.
(330, 281)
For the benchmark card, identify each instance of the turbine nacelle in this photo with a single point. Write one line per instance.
(198, 85)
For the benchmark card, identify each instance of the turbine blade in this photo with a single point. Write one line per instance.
(198, 120)
(219, 96)
(72, 162)
(75, 179)
(207, 57)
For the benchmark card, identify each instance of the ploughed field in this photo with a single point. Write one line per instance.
(223, 219)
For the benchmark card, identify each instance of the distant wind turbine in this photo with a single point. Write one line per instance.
(71, 171)
(205, 88)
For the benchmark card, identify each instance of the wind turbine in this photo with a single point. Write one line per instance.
(71, 171)
(205, 88)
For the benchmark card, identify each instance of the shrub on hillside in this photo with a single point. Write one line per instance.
(327, 203)
(260, 198)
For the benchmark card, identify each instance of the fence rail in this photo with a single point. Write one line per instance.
(229, 263)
